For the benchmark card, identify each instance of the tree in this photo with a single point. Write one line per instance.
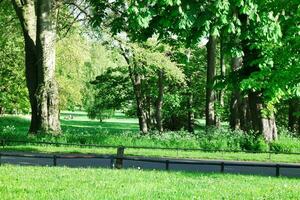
(116, 86)
(185, 21)
(38, 22)
(210, 114)
(256, 61)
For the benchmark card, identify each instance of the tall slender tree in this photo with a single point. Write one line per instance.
(210, 114)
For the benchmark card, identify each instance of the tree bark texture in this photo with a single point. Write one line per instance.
(38, 21)
(266, 125)
(210, 114)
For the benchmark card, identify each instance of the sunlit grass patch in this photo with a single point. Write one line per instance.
(64, 183)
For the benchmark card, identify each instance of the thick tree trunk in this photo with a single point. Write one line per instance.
(239, 109)
(38, 22)
(265, 125)
(244, 114)
(47, 91)
(294, 115)
(262, 123)
(210, 115)
(32, 81)
(27, 16)
(159, 102)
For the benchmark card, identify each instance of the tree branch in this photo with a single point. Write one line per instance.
(78, 6)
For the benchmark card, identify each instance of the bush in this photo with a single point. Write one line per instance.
(286, 143)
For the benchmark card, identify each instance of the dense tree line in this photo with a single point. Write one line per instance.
(166, 62)
(245, 36)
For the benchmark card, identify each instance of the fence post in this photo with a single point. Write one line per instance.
(167, 165)
(54, 160)
(112, 165)
(119, 159)
(277, 170)
(222, 167)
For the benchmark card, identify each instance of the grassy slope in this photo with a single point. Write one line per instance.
(65, 183)
(112, 130)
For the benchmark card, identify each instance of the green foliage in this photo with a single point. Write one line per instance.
(13, 92)
(79, 61)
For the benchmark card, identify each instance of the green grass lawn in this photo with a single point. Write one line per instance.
(19, 183)
(79, 123)
(121, 131)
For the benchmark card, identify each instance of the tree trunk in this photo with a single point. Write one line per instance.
(139, 101)
(294, 115)
(159, 102)
(47, 91)
(211, 72)
(148, 111)
(38, 21)
(265, 125)
(239, 109)
(223, 70)
(1, 110)
(190, 113)
(244, 114)
(137, 88)
(235, 101)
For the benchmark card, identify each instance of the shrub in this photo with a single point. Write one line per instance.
(286, 143)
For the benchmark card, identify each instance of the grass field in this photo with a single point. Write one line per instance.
(123, 131)
(35, 183)
(263, 157)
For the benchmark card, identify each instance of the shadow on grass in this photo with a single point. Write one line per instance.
(24, 150)
(21, 125)
(21, 149)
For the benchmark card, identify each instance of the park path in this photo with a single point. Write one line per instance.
(89, 161)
